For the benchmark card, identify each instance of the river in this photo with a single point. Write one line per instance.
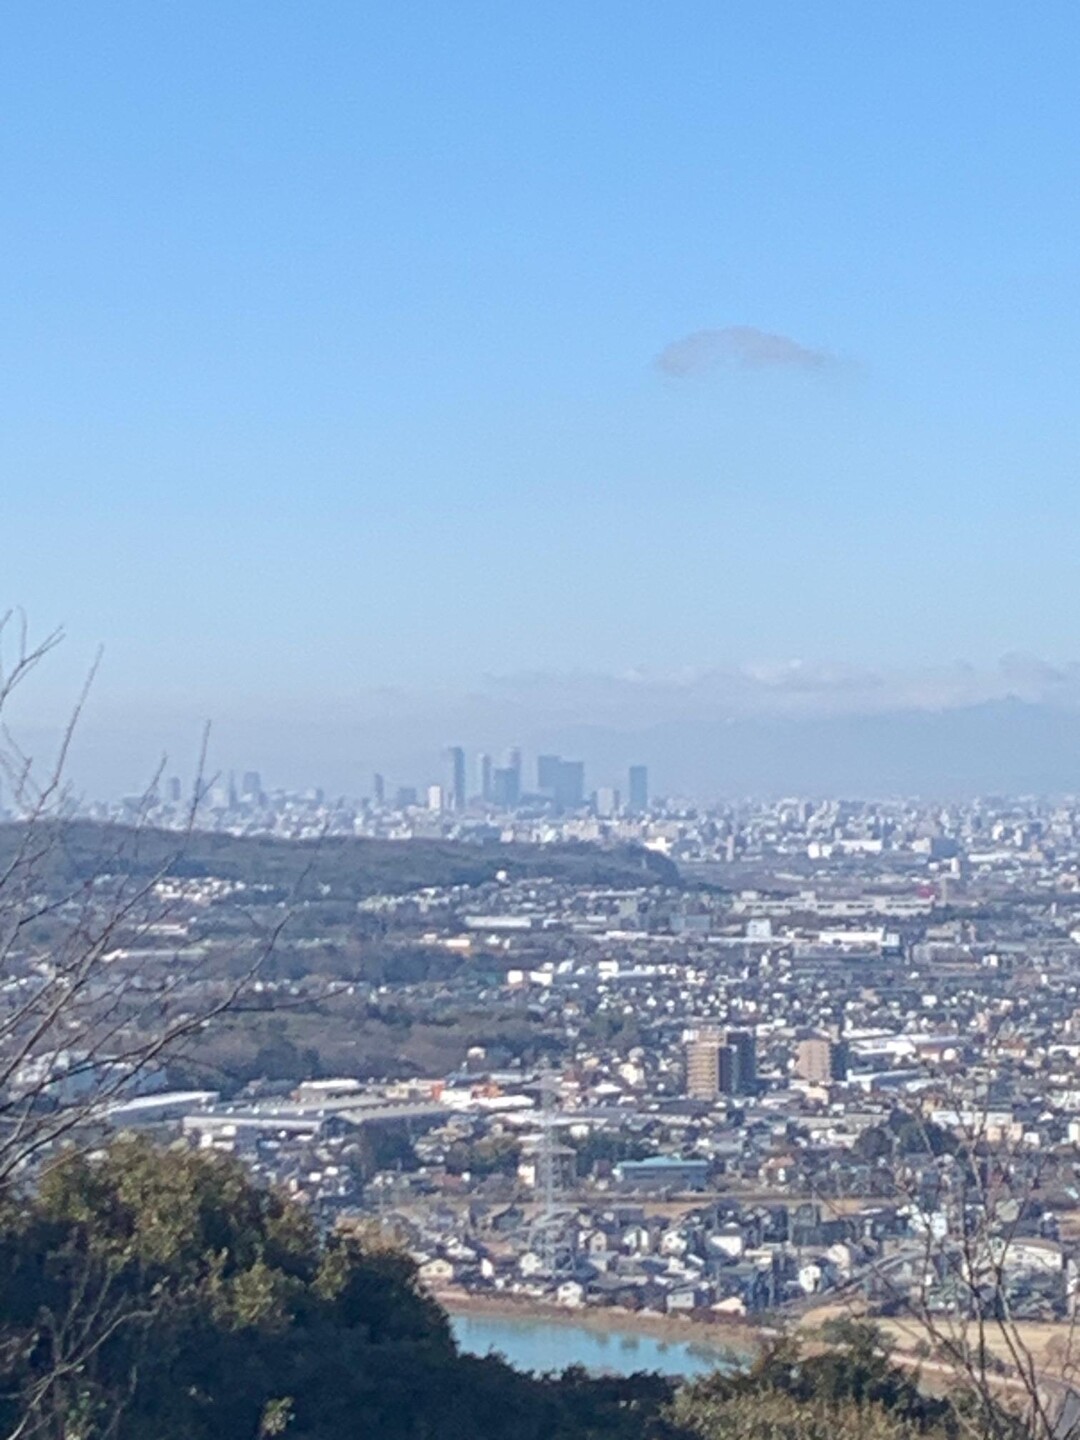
(538, 1344)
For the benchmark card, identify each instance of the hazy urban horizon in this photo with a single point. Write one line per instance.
(738, 730)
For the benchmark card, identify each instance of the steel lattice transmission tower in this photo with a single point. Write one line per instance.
(551, 1232)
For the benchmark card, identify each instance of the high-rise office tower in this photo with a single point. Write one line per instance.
(436, 797)
(173, 790)
(547, 775)
(483, 766)
(251, 785)
(378, 790)
(505, 787)
(561, 781)
(638, 792)
(455, 778)
(571, 794)
(513, 762)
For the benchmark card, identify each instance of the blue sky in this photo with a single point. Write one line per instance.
(329, 334)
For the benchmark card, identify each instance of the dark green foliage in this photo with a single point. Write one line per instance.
(609, 1147)
(493, 1155)
(852, 1390)
(775, 1415)
(160, 1295)
(916, 1136)
(279, 1058)
(874, 1144)
(904, 1136)
(382, 1147)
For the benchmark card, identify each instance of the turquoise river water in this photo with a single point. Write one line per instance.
(538, 1344)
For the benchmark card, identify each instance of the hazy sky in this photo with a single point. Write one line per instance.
(349, 345)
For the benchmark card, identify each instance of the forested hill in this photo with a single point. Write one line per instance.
(351, 868)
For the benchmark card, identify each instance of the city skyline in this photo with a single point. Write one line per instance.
(953, 731)
(558, 785)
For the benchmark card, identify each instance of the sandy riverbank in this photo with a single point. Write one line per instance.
(740, 1341)
(740, 1344)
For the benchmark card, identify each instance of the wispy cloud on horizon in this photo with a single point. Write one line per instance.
(792, 688)
(675, 720)
(741, 346)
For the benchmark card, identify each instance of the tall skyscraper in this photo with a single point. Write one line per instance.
(571, 785)
(378, 789)
(251, 785)
(561, 781)
(505, 787)
(455, 778)
(638, 792)
(547, 775)
(513, 762)
(483, 766)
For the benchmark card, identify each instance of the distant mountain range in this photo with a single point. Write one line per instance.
(998, 745)
(1001, 746)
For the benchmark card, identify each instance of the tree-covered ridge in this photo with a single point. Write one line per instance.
(337, 866)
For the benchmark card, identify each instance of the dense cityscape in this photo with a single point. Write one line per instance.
(540, 721)
(241, 805)
(727, 1088)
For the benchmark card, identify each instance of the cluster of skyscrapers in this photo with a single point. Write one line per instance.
(560, 786)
